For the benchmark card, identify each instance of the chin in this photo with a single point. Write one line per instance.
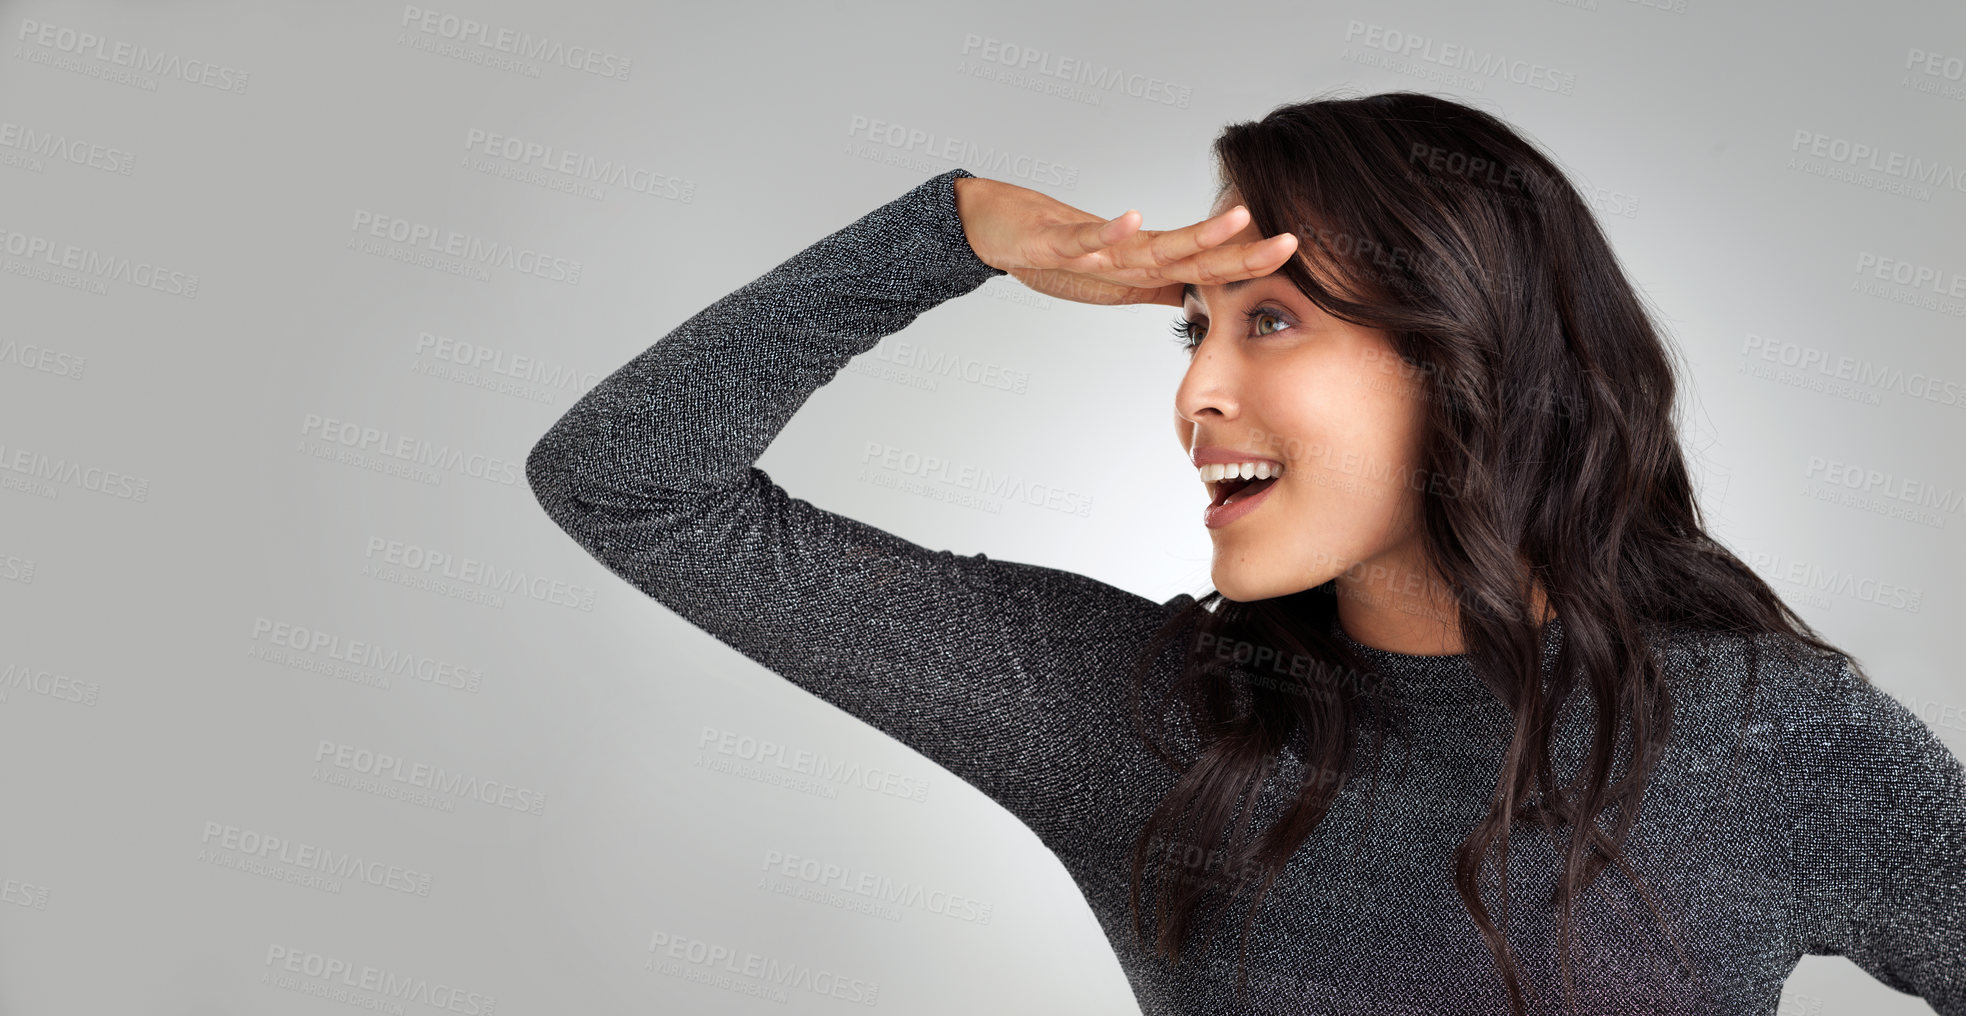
(1238, 587)
(1242, 585)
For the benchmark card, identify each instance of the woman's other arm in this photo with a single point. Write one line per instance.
(1880, 835)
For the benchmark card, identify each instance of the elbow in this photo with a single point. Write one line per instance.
(583, 488)
(605, 490)
(542, 465)
(563, 481)
(551, 471)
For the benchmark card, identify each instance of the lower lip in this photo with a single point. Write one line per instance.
(1216, 516)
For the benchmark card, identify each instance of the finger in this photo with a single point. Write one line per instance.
(1087, 237)
(1155, 250)
(1218, 265)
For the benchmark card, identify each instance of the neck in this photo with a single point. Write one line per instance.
(1412, 625)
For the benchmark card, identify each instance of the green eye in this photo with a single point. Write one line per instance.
(1189, 334)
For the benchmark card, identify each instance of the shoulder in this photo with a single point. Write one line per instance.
(1850, 754)
(1791, 678)
(1840, 725)
(1815, 711)
(1767, 680)
(1874, 804)
(1817, 698)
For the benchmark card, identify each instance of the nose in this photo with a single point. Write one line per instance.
(1206, 395)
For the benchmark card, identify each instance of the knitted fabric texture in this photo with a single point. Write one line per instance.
(1840, 828)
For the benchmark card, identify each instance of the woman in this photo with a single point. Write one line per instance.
(1462, 591)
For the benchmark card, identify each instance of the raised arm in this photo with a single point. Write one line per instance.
(998, 671)
(1880, 841)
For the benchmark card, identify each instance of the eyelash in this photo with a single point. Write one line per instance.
(1184, 329)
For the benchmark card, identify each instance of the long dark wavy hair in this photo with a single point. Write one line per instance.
(1550, 414)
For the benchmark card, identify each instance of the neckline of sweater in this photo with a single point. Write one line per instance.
(1416, 663)
(1440, 682)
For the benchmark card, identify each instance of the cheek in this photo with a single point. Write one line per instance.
(1357, 429)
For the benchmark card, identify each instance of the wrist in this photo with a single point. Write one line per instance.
(971, 193)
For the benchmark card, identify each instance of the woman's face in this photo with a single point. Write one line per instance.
(1276, 379)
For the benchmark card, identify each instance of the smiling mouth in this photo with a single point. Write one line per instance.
(1229, 491)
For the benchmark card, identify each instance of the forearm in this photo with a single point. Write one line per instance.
(694, 411)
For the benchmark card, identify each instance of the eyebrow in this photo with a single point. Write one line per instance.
(1189, 289)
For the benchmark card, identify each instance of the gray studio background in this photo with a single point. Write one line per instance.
(216, 619)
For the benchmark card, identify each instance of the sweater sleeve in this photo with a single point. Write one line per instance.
(973, 662)
(1880, 840)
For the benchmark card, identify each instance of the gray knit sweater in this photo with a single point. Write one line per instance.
(1846, 833)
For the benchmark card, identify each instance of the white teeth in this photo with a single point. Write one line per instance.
(1244, 470)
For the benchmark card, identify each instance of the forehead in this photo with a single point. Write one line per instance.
(1272, 284)
(1267, 285)
(1229, 198)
